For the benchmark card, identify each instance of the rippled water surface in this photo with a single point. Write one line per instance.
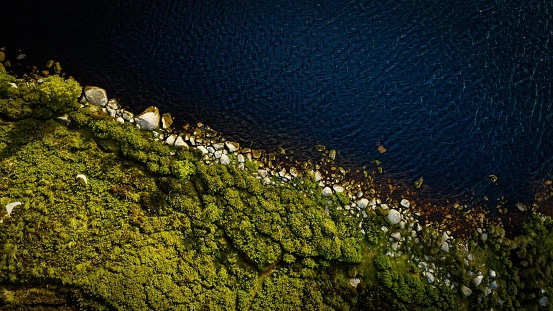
(454, 90)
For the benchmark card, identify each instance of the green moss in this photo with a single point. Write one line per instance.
(176, 233)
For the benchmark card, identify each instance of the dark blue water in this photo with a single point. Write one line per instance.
(454, 90)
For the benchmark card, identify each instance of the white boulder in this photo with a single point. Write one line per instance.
(361, 204)
(225, 160)
(327, 192)
(148, 119)
(95, 95)
(394, 216)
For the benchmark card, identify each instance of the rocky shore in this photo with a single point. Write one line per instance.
(432, 250)
(403, 227)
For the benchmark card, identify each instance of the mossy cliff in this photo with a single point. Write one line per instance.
(103, 217)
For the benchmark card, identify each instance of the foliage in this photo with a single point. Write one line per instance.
(178, 234)
(53, 96)
(59, 95)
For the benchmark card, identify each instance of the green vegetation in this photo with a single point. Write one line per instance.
(156, 228)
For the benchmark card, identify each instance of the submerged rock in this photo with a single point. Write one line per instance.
(332, 155)
(166, 121)
(113, 104)
(293, 172)
(327, 192)
(127, 116)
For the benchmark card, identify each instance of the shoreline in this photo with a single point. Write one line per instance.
(409, 235)
(460, 216)
(462, 197)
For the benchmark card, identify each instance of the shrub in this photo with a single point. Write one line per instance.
(183, 169)
(5, 79)
(15, 108)
(59, 95)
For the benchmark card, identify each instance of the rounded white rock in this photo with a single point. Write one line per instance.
(394, 216)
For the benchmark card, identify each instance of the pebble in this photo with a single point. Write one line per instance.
(82, 179)
(232, 146)
(218, 146)
(466, 291)
(354, 282)
(327, 192)
(225, 160)
(477, 280)
(10, 207)
(171, 139)
(394, 216)
(179, 142)
(338, 188)
(430, 277)
(318, 176)
(362, 204)
(203, 150)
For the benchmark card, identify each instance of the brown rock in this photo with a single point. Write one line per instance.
(256, 154)
(57, 68)
(166, 120)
